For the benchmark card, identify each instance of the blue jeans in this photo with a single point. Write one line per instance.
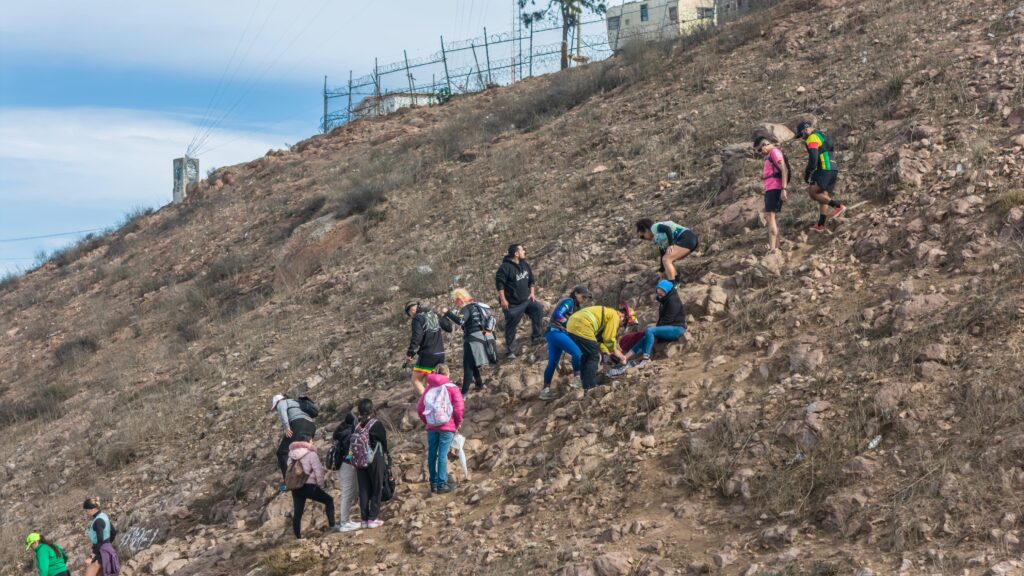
(437, 455)
(559, 342)
(663, 333)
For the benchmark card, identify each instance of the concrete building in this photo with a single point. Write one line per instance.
(186, 171)
(390, 102)
(656, 19)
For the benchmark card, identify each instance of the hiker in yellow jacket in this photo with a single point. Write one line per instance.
(594, 330)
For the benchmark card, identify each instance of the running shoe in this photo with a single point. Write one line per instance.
(546, 394)
(641, 363)
(576, 383)
(819, 229)
(347, 527)
(616, 372)
(373, 524)
(838, 211)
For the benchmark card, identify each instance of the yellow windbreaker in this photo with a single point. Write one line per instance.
(586, 322)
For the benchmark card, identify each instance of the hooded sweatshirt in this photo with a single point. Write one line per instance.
(515, 280)
(306, 454)
(670, 311)
(426, 339)
(454, 394)
(49, 562)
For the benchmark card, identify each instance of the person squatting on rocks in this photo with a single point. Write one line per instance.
(670, 327)
(303, 456)
(559, 341)
(776, 177)
(295, 422)
(441, 409)
(593, 329)
(369, 449)
(675, 242)
(820, 174)
(426, 343)
(346, 473)
(103, 561)
(514, 281)
(473, 318)
(50, 557)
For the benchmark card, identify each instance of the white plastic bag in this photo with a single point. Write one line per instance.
(458, 444)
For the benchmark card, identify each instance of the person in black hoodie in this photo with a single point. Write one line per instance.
(514, 281)
(346, 474)
(670, 327)
(426, 345)
(371, 479)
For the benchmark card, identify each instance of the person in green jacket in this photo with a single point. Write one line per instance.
(50, 558)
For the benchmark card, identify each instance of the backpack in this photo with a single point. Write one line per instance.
(307, 405)
(487, 319)
(778, 169)
(295, 478)
(387, 489)
(359, 447)
(335, 457)
(437, 405)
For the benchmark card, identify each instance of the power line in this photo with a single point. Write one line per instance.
(55, 235)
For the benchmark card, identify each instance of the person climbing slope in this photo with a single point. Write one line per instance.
(675, 242)
(303, 457)
(369, 449)
(295, 421)
(820, 174)
(515, 283)
(50, 557)
(104, 560)
(593, 329)
(346, 472)
(477, 324)
(559, 341)
(426, 343)
(441, 409)
(776, 176)
(670, 327)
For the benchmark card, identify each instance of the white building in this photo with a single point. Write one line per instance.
(656, 19)
(390, 102)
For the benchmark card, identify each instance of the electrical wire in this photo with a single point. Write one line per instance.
(55, 235)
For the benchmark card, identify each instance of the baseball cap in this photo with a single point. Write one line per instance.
(581, 290)
(801, 127)
(31, 539)
(273, 401)
(665, 285)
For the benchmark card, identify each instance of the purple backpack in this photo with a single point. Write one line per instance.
(359, 449)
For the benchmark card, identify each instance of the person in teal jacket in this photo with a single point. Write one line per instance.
(50, 558)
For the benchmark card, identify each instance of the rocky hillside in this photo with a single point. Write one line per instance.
(851, 405)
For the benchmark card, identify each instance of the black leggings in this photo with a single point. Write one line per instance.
(371, 484)
(470, 371)
(590, 358)
(310, 492)
(301, 428)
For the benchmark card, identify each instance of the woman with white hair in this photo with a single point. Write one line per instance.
(477, 324)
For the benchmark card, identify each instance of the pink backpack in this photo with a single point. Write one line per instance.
(437, 405)
(359, 448)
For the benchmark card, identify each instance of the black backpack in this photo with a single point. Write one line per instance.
(308, 406)
(335, 456)
(778, 169)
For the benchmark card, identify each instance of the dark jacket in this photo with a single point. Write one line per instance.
(670, 311)
(426, 337)
(515, 280)
(378, 436)
(343, 434)
(469, 318)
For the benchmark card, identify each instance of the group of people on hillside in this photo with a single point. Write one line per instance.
(51, 560)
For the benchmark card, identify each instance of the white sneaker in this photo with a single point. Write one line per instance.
(348, 527)
(616, 372)
(576, 383)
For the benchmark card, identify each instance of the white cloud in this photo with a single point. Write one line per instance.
(108, 156)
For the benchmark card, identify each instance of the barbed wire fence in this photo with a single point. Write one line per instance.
(475, 64)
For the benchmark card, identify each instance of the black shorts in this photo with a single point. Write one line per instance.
(773, 201)
(687, 239)
(825, 179)
(427, 363)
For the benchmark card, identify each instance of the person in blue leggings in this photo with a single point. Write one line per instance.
(559, 341)
(670, 327)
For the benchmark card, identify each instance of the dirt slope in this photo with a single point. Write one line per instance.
(139, 366)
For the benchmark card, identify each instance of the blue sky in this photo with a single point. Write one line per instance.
(97, 98)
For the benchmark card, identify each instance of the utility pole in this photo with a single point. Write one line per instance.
(408, 73)
(487, 54)
(325, 106)
(444, 58)
(349, 119)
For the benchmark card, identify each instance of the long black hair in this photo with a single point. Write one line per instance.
(365, 408)
(52, 545)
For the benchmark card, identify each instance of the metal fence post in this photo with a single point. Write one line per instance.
(349, 95)
(487, 54)
(376, 86)
(531, 49)
(408, 74)
(444, 58)
(325, 105)
(479, 75)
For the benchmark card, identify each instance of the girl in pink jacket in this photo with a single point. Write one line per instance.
(440, 408)
(304, 453)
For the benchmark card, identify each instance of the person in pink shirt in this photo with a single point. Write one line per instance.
(440, 408)
(776, 178)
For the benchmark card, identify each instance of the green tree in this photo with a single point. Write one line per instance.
(571, 12)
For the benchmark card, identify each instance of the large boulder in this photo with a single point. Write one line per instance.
(777, 133)
(308, 248)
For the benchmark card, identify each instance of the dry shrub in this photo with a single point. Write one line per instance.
(1008, 201)
(71, 352)
(280, 563)
(41, 402)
